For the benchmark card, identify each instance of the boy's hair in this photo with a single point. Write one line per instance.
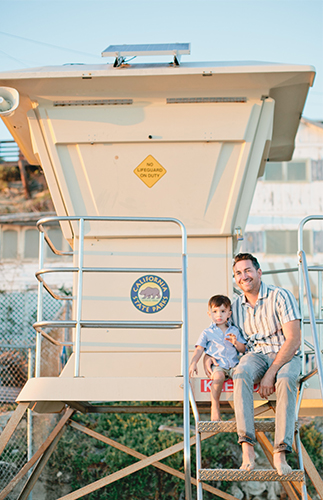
(219, 300)
(246, 256)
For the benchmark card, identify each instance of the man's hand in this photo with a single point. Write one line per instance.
(292, 334)
(267, 385)
(208, 362)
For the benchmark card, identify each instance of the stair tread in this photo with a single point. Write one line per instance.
(254, 475)
(231, 426)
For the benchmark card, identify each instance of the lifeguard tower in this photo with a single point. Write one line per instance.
(152, 169)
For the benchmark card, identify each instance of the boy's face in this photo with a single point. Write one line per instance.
(219, 314)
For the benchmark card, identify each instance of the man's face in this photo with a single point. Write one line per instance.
(247, 277)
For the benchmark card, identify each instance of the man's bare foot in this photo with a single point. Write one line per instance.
(248, 457)
(280, 463)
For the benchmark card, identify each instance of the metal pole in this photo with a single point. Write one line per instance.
(64, 354)
(39, 305)
(320, 304)
(301, 464)
(29, 418)
(312, 319)
(301, 294)
(185, 348)
(197, 446)
(79, 299)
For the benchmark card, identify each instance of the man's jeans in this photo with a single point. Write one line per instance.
(250, 371)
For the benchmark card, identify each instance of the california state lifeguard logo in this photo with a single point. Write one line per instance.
(150, 294)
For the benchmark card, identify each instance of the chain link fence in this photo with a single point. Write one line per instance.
(18, 312)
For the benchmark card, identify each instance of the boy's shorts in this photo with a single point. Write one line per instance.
(228, 372)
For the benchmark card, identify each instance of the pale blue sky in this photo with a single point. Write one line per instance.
(51, 32)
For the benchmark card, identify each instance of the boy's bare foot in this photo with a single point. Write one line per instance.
(248, 457)
(280, 463)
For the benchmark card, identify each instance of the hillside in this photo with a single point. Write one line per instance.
(14, 198)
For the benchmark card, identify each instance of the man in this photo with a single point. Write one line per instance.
(268, 317)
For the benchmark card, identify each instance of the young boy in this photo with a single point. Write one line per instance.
(223, 343)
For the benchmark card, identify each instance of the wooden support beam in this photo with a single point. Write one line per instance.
(39, 467)
(125, 472)
(12, 425)
(85, 407)
(158, 465)
(69, 412)
(268, 450)
(312, 472)
(130, 470)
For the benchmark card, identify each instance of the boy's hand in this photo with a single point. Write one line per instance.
(192, 369)
(230, 337)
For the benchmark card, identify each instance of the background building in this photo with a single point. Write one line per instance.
(285, 194)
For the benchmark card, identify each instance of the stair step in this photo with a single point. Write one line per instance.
(253, 475)
(231, 426)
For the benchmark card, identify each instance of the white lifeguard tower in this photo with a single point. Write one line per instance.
(148, 165)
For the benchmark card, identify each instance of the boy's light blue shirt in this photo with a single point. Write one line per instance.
(213, 341)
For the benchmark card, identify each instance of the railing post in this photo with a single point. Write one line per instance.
(301, 281)
(185, 348)
(79, 299)
(301, 295)
(312, 319)
(320, 304)
(30, 417)
(198, 445)
(39, 306)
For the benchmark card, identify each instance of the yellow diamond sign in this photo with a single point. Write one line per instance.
(150, 171)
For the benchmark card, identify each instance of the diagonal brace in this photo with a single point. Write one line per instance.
(130, 470)
(12, 425)
(139, 455)
(69, 412)
(39, 467)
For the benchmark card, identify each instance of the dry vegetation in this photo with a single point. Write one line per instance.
(12, 196)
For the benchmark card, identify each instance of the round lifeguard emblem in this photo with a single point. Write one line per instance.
(150, 294)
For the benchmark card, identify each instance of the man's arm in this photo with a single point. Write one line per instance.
(292, 334)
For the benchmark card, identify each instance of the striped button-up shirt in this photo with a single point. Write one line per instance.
(262, 325)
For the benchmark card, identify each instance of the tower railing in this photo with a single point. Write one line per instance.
(304, 286)
(78, 322)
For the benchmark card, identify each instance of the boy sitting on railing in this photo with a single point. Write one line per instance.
(223, 343)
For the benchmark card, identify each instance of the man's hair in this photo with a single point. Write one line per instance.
(246, 256)
(219, 300)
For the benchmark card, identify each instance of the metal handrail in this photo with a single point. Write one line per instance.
(307, 321)
(291, 270)
(107, 324)
(198, 446)
(79, 323)
(300, 272)
(303, 266)
(80, 269)
(39, 274)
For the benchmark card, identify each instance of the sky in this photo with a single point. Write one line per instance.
(54, 32)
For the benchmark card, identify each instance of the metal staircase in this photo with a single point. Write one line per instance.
(294, 482)
(210, 428)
